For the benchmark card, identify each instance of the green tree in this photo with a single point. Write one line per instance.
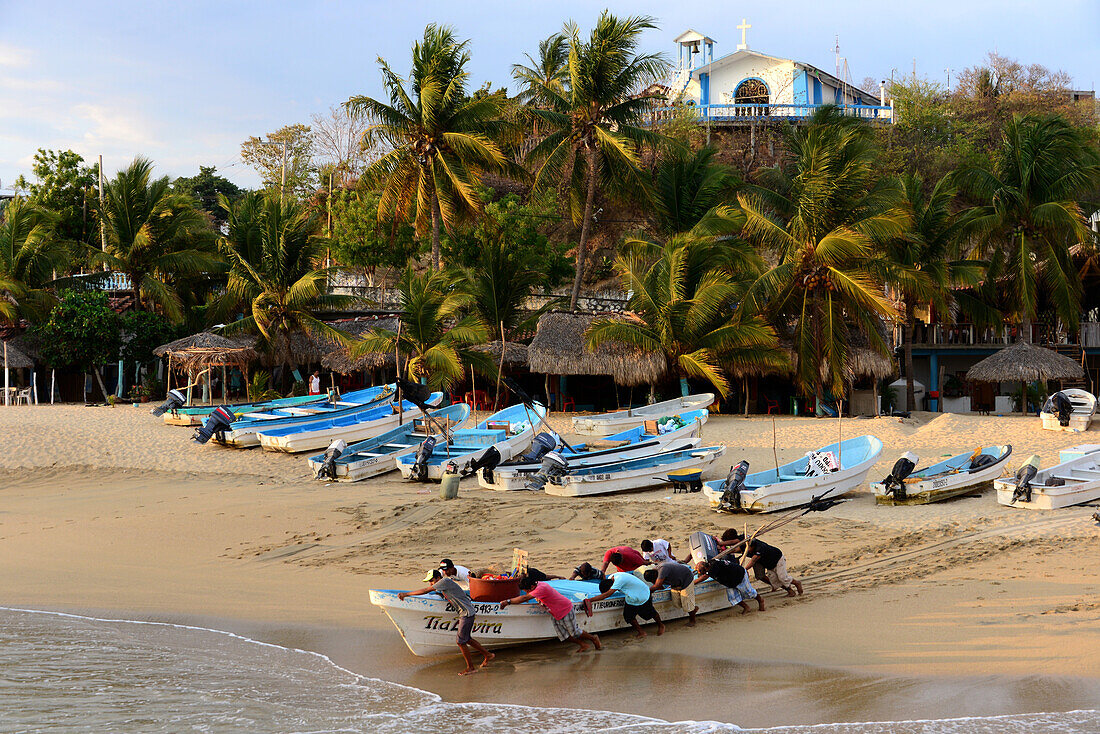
(64, 185)
(30, 257)
(273, 252)
(1030, 214)
(81, 331)
(153, 236)
(142, 332)
(595, 121)
(437, 330)
(362, 241)
(688, 297)
(441, 140)
(824, 217)
(287, 152)
(688, 185)
(205, 188)
(550, 71)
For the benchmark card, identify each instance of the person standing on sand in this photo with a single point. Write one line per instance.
(759, 553)
(734, 578)
(623, 557)
(639, 600)
(560, 608)
(460, 600)
(315, 383)
(657, 551)
(681, 579)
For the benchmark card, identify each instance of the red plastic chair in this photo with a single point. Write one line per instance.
(569, 406)
(772, 405)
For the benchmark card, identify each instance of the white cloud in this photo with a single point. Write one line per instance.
(113, 127)
(14, 56)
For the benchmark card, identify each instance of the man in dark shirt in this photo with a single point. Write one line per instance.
(734, 578)
(759, 553)
(681, 579)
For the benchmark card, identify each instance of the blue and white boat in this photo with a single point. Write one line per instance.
(195, 415)
(242, 432)
(508, 432)
(945, 479)
(834, 470)
(633, 474)
(352, 426)
(630, 444)
(378, 455)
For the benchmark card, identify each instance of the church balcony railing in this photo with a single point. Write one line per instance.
(739, 113)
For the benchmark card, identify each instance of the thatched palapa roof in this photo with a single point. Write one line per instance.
(205, 340)
(206, 349)
(866, 362)
(514, 354)
(1025, 362)
(559, 349)
(338, 359)
(16, 358)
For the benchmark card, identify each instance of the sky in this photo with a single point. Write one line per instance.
(185, 82)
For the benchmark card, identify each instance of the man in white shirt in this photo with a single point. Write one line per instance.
(315, 383)
(461, 574)
(657, 551)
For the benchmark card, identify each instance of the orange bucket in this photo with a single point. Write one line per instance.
(493, 589)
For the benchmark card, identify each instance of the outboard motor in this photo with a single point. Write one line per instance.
(328, 465)
(420, 463)
(732, 486)
(1024, 475)
(543, 444)
(554, 466)
(1059, 404)
(980, 462)
(219, 420)
(488, 460)
(176, 399)
(894, 482)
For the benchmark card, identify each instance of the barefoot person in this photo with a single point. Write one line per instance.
(759, 553)
(623, 557)
(460, 600)
(639, 600)
(733, 577)
(681, 579)
(560, 608)
(657, 551)
(734, 539)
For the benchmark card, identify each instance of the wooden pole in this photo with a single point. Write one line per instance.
(52, 378)
(225, 385)
(473, 388)
(7, 378)
(397, 370)
(500, 368)
(169, 373)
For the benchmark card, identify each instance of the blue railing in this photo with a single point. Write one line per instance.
(112, 281)
(751, 112)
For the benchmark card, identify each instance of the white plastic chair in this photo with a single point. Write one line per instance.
(24, 395)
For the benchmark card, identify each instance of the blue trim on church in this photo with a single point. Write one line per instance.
(801, 93)
(704, 89)
(817, 91)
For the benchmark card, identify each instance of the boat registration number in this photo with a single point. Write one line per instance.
(939, 484)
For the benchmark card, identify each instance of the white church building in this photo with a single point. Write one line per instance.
(748, 85)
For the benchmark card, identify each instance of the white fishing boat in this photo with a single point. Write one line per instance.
(377, 455)
(194, 415)
(647, 472)
(834, 470)
(243, 432)
(949, 478)
(1082, 408)
(1063, 485)
(608, 424)
(502, 435)
(428, 623)
(630, 444)
(352, 427)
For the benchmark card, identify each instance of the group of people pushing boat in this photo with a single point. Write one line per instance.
(637, 575)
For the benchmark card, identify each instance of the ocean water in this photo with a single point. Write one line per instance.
(66, 673)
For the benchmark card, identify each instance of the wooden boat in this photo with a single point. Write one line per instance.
(428, 623)
(377, 455)
(950, 478)
(1084, 407)
(608, 424)
(630, 444)
(508, 431)
(350, 427)
(632, 474)
(794, 484)
(243, 433)
(196, 414)
(1074, 482)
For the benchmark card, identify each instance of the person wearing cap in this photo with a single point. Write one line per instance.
(444, 584)
(560, 609)
(623, 557)
(461, 574)
(638, 600)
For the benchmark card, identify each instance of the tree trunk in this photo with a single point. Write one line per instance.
(818, 380)
(436, 216)
(907, 338)
(590, 200)
(102, 387)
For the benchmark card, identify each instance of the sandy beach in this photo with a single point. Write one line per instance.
(107, 510)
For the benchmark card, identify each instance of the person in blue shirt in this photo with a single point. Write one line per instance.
(638, 597)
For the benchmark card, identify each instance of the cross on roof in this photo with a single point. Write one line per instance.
(744, 27)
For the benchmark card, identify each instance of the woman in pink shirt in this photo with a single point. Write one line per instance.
(560, 608)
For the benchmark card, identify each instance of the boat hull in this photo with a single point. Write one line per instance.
(1077, 423)
(610, 481)
(508, 448)
(1082, 484)
(296, 443)
(428, 624)
(938, 488)
(611, 423)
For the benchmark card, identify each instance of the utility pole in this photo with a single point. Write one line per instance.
(282, 180)
(102, 224)
(328, 250)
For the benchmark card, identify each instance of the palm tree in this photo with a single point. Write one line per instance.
(30, 257)
(151, 236)
(1031, 215)
(688, 185)
(822, 216)
(436, 330)
(550, 71)
(595, 119)
(930, 245)
(273, 251)
(687, 296)
(441, 140)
